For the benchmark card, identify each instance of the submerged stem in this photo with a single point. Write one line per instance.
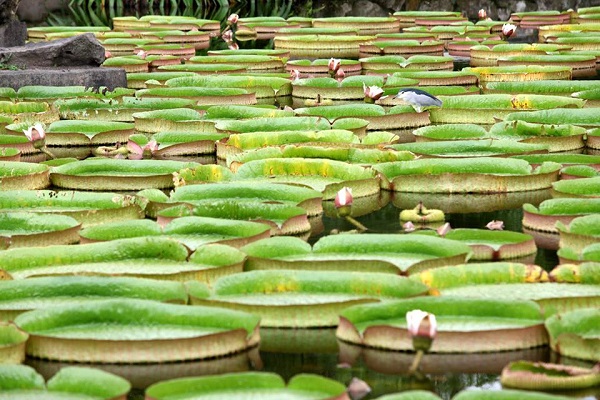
(48, 152)
(356, 223)
(416, 362)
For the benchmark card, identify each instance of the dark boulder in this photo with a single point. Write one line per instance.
(76, 51)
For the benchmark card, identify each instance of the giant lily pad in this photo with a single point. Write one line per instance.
(320, 46)
(576, 333)
(520, 73)
(247, 385)
(587, 117)
(191, 231)
(239, 142)
(12, 344)
(87, 208)
(120, 331)
(584, 187)
(20, 229)
(544, 217)
(64, 258)
(581, 232)
(306, 198)
(462, 175)
(546, 376)
(506, 281)
(471, 148)
(302, 298)
(68, 133)
(176, 119)
(486, 108)
(202, 95)
(284, 219)
(261, 86)
(562, 137)
(273, 124)
(261, 63)
(397, 254)
(494, 245)
(398, 117)
(26, 176)
(18, 296)
(506, 394)
(326, 176)
(464, 325)
(115, 174)
(72, 383)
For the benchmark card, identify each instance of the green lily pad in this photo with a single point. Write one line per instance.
(405, 254)
(12, 344)
(326, 176)
(18, 296)
(120, 331)
(463, 325)
(115, 174)
(193, 232)
(462, 175)
(247, 385)
(21, 229)
(70, 383)
(302, 298)
(25, 176)
(87, 208)
(576, 333)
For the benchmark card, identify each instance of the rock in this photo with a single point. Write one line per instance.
(8, 9)
(13, 33)
(88, 77)
(77, 51)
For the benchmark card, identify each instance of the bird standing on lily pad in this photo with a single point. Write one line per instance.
(419, 99)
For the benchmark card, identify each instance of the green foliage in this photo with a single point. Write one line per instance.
(101, 12)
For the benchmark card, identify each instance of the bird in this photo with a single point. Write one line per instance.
(418, 98)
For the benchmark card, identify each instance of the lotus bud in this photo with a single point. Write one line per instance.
(233, 19)
(495, 225)
(372, 93)
(444, 229)
(343, 201)
(482, 14)
(233, 46)
(137, 152)
(36, 135)
(334, 65)
(508, 30)
(227, 36)
(409, 227)
(107, 54)
(422, 328)
(295, 74)
(357, 389)
(141, 54)
(340, 75)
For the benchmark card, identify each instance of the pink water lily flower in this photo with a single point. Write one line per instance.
(421, 323)
(495, 225)
(372, 92)
(334, 65)
(36, 135)
(137, 152)
(227, 36)
(444, 229)
(295, 74)
(409, 227)
(482, 14)
(233, 19)
(340, 75)
(343, 197)
(233, 46)
(357, 389)
(508, 30)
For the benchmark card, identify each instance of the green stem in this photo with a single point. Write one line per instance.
(356, 223)
(416, 362)
(48, 153)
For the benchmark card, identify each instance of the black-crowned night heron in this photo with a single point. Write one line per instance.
(418, 98)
